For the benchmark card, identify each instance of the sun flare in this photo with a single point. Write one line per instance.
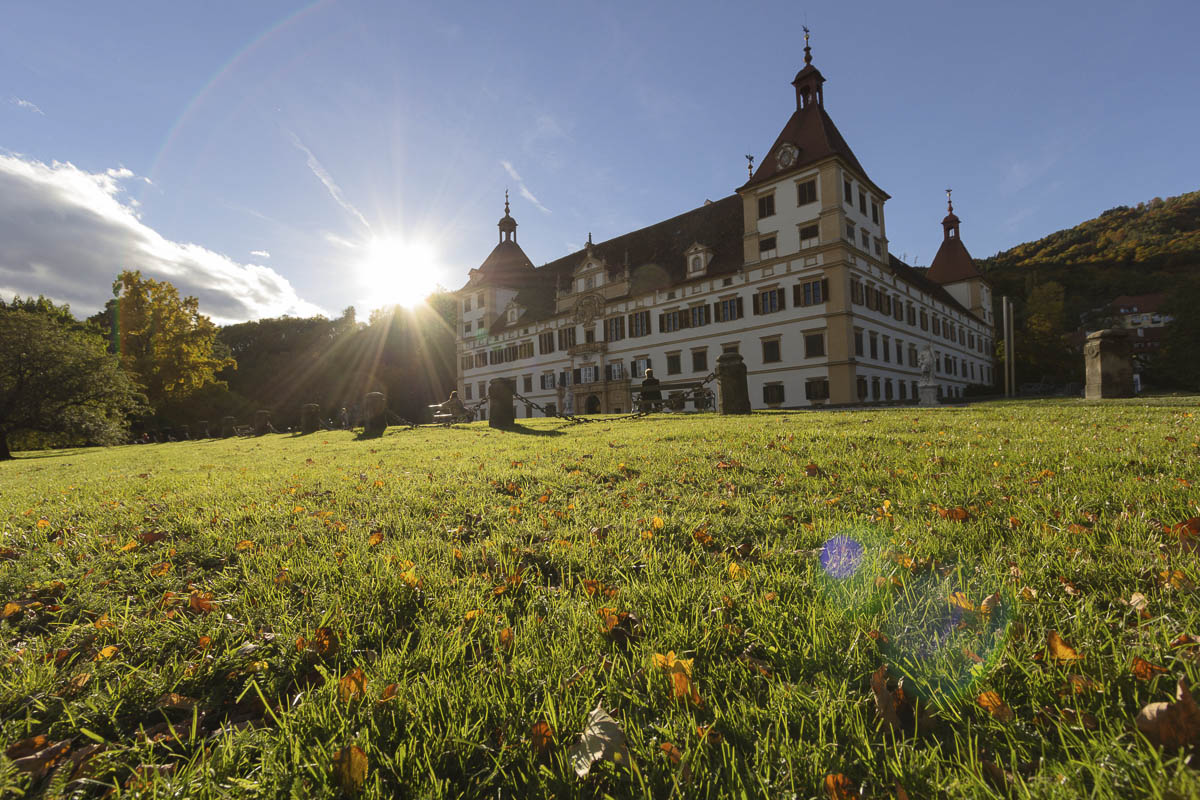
(397, 272)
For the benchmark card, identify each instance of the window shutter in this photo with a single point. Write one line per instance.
(662, 323)
(757, 304)
(797, 295)
(685, 318)
(717, 312)
(578, 373)
(740, 308)
(782, 295)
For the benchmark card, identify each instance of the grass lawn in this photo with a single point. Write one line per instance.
(908, 603)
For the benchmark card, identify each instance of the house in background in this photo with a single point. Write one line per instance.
(792, 271)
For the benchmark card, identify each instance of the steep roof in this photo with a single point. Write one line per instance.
(814, 135)
(952, 263)
(507, 265)
(1139, 303)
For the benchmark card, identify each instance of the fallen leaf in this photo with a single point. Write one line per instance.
(1171, 725)
(839, 787)
(990, 603)
(1059, 650)
(1028, 593)
(735, 571)
(991, 702)
(106, 652)
(375, 539)
(39, 763)
(200, 602)
(352, 685)
(26, 747)
(506, 637)
(77, 683)
(885, 702)
(159, 569)
(672, 752)
(960, 600)
(680, 671)
(175, 702)
(602, 740)
(1143, 670)
(709, 735)
(812, 470)
(350, 769)
(541, 736)
(103, 622)
(388, 693)
(244, 545)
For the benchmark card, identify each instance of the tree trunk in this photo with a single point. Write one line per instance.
(5, 455)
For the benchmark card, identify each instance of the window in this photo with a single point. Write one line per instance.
(639, 366)
(614, 329)
(728, 309)
(699, 315)
(589, 282)
(887, 348)
(887, 389)
(816, 389)
(937, 327)
(862, 388)
(639, 323)
(697, 264)
(806, 192)
(546, 342)
(700, 359)
(898, 308)
(525, 350)
(899, 352)
(467, 392)
(814, 345)
(865, 238)
(730, 347)
(770, 351)
(848, 191)
(673, 366)
(466, 327)
(589, 334)
(856, 291)
(479, 301)
(924, 320)
(566, 338)
(466, 305)
(875, 212)
(614, 371)
(810, 236)
(878, 247)
(766, 206)
(903, 390)
(766, 247)
(587, 374)
(874, 344)
(466, 362)
(773, 394)
(912, 314)
(482, 389)
(862, 202)
(527, 383)
(512, 315)
(810, 293)
(850, 231)
(481, 359)
(727, 281)
(874, 388)
(768, 301)
(547, 380)
(668, 322)
(858, 341)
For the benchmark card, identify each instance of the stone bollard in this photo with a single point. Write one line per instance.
(374, 414)
(731, 376)
(262, 422)
(310, 418)
(227, 427)
(202, 431)
(1109, 364)
(500, 403)
(183, 433)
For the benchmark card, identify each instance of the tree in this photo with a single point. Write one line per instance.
(57, 377)
(1179, 362)
(165, 343)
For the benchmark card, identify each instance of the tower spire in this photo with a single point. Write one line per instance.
(807, 49)
(507, 225)
(506, 202)
(949, 202)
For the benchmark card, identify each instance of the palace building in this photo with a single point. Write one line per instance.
(792, 271)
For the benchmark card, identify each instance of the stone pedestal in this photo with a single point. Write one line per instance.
(500, 403)
(1109, 363)
(227, 427)
(262, 422)
(374, 414)
(735, 392)
(183, 433)
(310, 417)
(929, 395)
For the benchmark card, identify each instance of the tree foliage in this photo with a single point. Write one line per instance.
(163, 340)
(57, 377)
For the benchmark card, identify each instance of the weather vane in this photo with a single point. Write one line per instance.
(807, 49)
(949, 202)
(750, 165)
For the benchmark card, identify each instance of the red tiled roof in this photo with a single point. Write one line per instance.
(952, 263)
(1139, 303)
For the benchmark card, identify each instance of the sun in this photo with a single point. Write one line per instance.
(398, 272)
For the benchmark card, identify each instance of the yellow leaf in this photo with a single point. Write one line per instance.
(107, 652)
(1028, 593)
(162, 568)
(657, 523)
(132, 545)
(736, 571)
(350, 769)
(43, 523)
(995, 706)
(472, 614)
(375, 539)
(103, 622)
(352, 685)
(388, 693)
(1060, 650)
(244, 545)
(11, 609)
(960, 600)
(506, 637)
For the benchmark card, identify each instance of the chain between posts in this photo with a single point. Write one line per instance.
(690, 394)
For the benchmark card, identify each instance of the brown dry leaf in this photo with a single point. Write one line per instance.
(885, 702)
(812, 470)
(375, 539)
(1185, 640)
(506, 637)
(26, 747)
(150, 537)
(350, 769)
(839, 787)
(40, 762)
(200, 602)
(994, 705)
(602, 740)
(1171, 725)
(324, 643)
(106, 652)
(161, 568)
(77, 683)
(901, 792)
(680, 670)
(1028, 593)
(1085, 720)
(103, 622)
(175, 702)
(990, 603)
(1143, 670)
(1078, 684)
(1059, 650)
(352, 685)
(755, 664)
(673, 753)
(541, 736)
(388, 693)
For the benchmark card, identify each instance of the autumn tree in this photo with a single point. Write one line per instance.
(163, 340)
(57, 377)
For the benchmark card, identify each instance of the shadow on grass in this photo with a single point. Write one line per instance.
(517, 427)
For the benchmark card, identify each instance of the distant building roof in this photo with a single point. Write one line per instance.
(1139, 303)
(952, 263)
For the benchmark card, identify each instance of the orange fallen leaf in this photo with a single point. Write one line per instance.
(159, 569)
(1059, 650)
(839, 787)
(388, 692)
(1143, 670)
(200, 602)
(352, 685)
(994, 705)
(541, 736)
(106, 652)
(680, 671)
(960, 600)
(1171, 725)
(506, 637)
(375, 539)
(350, 769)
(244, 545)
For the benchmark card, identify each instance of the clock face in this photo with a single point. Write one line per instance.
(787, 156)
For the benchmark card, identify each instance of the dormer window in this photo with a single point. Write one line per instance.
(512, 314)
(697, 264)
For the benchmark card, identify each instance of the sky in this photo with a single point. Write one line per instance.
(278, 158)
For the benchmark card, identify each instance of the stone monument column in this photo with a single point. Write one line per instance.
(374, 414)
(1109, 363)
(735, 391)
(501, 413)
(310, 417)
(928, 388)
(262, 422)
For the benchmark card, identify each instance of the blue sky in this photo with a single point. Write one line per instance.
(277, 157)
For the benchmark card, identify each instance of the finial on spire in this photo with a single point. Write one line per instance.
(506, 202)
(750, 165)
(949, 202)
(589, 238)
(807, 49)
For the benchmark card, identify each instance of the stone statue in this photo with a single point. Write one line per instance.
(925, 362)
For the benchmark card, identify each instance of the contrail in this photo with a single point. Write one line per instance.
(335, 191)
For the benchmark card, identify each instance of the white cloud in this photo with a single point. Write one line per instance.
(67, 233)
(521, 187)
(27, 105)
(324, 177)
(260, 253)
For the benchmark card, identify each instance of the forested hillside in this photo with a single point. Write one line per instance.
(1060, 281)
